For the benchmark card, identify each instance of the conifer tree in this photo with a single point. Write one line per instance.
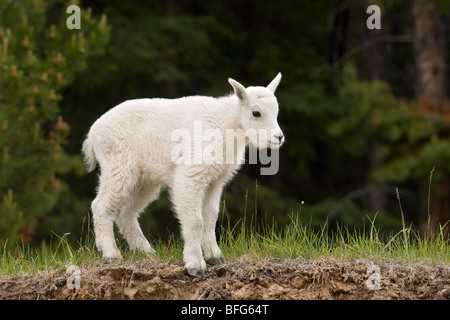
(37, 60)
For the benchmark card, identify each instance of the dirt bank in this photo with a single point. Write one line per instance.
(241, 279)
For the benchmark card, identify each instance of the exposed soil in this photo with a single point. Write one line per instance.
(241, 279)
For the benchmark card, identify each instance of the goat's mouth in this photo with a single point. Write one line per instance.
(274, 145)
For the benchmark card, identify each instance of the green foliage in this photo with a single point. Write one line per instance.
(408, 143)
(343, 132)
(11, 218)
(37, 61)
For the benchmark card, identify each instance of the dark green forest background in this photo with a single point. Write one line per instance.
(363, 111)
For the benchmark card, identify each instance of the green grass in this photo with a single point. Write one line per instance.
(257, 241)
(300, 241)
(266, 241)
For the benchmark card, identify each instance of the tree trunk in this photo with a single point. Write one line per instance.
(430, 60)
(430, 55)
(374, 56)
(338, 45)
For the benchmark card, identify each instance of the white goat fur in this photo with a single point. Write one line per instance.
(132, 144)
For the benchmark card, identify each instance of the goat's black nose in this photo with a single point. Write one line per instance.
(279, 137)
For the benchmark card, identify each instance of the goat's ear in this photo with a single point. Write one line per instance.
(239, 89)
(275, 82)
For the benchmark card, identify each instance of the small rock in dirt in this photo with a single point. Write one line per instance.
(221, 271)
(393, 295)
(242, 293)
(299, 282)
(130, 292)
(107, 295)
(340, 287)
(275, 290)
(118, 273)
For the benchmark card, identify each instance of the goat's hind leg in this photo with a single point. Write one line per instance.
(115, 189)
(103, 212)
(127, 220)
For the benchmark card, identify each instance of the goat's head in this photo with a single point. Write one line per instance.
(259, 111)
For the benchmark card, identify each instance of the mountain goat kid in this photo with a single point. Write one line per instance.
(138, 147)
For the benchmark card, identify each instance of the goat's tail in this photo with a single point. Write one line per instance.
(89, 155)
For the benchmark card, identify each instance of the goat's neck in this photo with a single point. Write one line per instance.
(231, 112)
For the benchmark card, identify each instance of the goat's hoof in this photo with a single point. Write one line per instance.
(111, 260)
(194, 271)
(214, 261)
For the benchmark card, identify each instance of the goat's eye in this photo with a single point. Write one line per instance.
(256, 114)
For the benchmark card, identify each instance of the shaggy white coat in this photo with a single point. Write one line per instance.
(133, 144)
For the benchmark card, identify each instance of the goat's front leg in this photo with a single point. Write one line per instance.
(187, 198)
(210, 211)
